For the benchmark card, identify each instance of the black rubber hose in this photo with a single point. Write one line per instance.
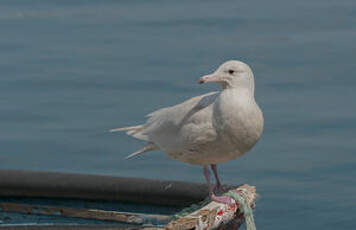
(98, 187)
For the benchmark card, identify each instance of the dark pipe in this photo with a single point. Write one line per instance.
(97, 187)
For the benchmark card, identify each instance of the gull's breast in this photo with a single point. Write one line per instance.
(238, 121)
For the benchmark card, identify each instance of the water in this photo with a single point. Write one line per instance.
(72, 70)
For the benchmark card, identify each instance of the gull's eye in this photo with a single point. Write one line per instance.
(231, 71)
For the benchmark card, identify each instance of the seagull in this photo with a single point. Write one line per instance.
(208, 129)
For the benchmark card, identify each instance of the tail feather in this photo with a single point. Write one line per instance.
(137, 132)
(148, 147)
(129, 128)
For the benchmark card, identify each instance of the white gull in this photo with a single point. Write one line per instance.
(209, 129)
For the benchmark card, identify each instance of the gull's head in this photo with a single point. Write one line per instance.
(231, 74)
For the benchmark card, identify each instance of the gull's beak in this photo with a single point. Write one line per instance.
(209, 78)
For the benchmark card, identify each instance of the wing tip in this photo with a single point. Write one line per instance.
(129, 128)
(146, 148)
(128, 157)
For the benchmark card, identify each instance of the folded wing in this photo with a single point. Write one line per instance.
(177, 126)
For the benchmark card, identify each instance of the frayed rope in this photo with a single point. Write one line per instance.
(245, 209)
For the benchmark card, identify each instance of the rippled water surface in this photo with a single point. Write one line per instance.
(71, 70)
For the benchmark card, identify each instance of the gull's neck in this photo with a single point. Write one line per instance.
(241, 91)
(250, 88)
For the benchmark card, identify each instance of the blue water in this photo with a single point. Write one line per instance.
(71, 70)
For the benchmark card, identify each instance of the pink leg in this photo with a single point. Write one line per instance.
(220, 199)
(218, 183)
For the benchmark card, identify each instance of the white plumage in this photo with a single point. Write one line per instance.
(207, 129)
